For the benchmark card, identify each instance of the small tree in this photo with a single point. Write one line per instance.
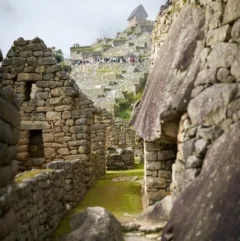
(57, 54)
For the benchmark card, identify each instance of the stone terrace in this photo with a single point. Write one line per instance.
(104, 82)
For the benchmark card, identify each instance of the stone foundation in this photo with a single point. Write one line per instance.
(158, 159)
(119, 159)
(120, 134)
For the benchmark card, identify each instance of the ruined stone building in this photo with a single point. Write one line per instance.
(50, 126)
(47, 124)
(138, 15)
(56, 117)
(189, 118)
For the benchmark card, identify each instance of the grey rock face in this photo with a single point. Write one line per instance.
(212, 196)
(201, 146)
(236, 31)
(207, 76)
(235, 71)
(209, 107)
(223, 74)
(222, 55)
(232, 11)
(218, 35)
(171, 84)
(193, 162)
(94, 224)
(158, 212)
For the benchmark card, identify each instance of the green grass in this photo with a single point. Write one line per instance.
(30, 175)
(103, 70)
(117, 197)
(107, 45)
(83, 49)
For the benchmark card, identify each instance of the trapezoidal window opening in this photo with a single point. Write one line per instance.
(36, 144)
(30, 90)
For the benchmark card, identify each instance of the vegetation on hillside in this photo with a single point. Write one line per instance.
(57, 54)
(124, 106)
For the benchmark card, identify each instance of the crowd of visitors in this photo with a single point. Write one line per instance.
(109, 60)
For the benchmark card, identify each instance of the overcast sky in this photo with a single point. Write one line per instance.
(62, 23)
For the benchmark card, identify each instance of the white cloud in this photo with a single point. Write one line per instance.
(61, 23)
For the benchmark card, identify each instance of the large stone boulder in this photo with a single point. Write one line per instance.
(172, 78)
(209, 207)
(94, 224)
(159, 212)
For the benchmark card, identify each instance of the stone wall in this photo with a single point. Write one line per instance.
(205, 104)
(207, 168)
(214, 104)
(119, 159)
(104, 82)
(9, 132)
(158, 169)
(39, 205)
(119, 134)
(56, 117)
(36, 203)
(56, 121)
(132, 22)
(98, 147)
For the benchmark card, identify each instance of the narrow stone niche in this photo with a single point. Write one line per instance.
(30, 89)
(159, 159)
(36, 144)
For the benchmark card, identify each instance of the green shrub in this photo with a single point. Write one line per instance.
(124, 106)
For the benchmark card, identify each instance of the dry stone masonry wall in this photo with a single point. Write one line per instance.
(9, 132)
(196, 88)
(158, 170)
(214, 101)
(56, 117)
(119, 134)
(47, 123)
(120, 158)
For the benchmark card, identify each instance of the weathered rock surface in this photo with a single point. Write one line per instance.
(159, 212)
(94, 224)
(208, 209)
(171, 84)
(210, 106)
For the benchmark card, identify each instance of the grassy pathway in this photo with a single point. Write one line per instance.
(120, 198)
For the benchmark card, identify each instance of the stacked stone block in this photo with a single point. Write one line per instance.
(56, 117)
(98, 147)
(33, 207)
(119, 134)
(158, 169)
(39, 203)
(119, 159)
(9, 133)
(213, 105)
